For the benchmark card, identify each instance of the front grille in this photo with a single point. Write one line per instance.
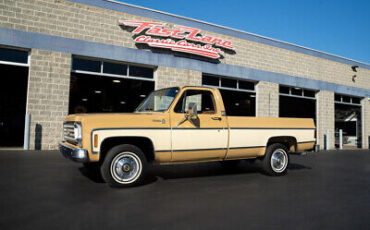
(69, 132)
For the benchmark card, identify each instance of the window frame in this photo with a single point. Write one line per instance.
(101, 72)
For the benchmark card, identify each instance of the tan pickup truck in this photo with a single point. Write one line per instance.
(180, 125)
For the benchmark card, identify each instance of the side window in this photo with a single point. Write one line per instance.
(203, 98)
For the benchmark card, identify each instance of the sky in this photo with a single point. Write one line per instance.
(339, 27)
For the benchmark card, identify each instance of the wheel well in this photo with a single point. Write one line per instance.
(289, 142)
(143, 143)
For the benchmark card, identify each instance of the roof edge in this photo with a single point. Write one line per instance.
(156, 14)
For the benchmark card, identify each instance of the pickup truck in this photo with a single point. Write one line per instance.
(180, 125)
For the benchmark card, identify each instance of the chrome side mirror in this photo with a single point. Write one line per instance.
(192, 112)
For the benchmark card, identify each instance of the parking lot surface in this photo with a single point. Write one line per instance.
(325, 190)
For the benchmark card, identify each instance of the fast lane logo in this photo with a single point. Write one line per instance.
(179, 39)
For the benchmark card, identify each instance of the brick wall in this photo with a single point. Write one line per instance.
(48, 93)
(168, 77)
(72, 20)
(267, 103)
(325, 117)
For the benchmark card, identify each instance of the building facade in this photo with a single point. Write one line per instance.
(82, 56)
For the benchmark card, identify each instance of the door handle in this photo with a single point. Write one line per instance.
(217, 118)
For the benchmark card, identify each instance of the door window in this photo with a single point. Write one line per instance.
(203, 98)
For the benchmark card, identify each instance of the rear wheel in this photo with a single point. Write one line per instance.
(124, 166)
(276, 160)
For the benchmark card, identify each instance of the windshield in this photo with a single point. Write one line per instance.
(158, 101)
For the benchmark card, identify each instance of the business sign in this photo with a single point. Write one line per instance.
(180, 39)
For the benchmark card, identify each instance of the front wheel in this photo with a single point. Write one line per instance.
(276, 160)
(124, 166)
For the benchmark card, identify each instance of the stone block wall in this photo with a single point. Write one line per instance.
(48, 95)
(325, 117)
(168, 77)
(267, 99)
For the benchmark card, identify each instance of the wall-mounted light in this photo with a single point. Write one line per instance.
(116, 81)
(84, 99)
(97, 91)
(142, 95)
(354, 69)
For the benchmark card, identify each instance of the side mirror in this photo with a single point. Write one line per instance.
(192, 112)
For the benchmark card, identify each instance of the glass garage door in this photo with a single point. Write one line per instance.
(104, 87)
(13, 96)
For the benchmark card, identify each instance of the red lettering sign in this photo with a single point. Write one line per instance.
(210, 46)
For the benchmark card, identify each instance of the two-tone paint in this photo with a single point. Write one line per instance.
(217, 137)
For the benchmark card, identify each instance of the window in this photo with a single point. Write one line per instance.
(203, 99)
(159, 100)
(228, 83)
(13, 55)
(344, 99)
(239, 103)
(296, 92)
(108, 68)
(238, 96)
(114, 68)
(297, 102)
(96, 94)
(137, 71)
(85, 65)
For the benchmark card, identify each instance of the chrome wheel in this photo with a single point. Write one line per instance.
(279, 160)
(126, 168)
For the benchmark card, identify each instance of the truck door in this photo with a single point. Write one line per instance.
(200, 137)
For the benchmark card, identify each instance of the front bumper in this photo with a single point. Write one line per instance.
(72, 153)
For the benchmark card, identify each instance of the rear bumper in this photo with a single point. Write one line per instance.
(72, 153)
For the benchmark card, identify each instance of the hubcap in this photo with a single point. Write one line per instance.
(126, 168)
(279, 160)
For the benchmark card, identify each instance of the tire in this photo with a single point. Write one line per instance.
(276, 160)
(124, 166)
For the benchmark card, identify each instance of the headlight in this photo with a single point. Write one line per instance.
(78, 131)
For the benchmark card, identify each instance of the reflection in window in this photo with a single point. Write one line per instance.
(202, 98)
(97, 94)
(239, 103)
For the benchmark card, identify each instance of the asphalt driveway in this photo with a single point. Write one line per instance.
(326, 190)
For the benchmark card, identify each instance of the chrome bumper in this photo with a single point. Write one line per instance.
(75, 154)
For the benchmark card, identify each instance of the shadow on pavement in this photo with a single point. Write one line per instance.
(192, 170)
